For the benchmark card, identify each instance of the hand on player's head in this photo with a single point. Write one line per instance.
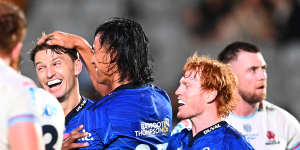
(59, 38)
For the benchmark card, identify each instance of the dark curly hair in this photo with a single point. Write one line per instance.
(128, 48)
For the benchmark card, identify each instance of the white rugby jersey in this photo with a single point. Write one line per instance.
(269, 128)
(51, 117)
(16, 102)
(22, 100)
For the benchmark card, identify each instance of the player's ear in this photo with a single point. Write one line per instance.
(211, 95)
(78, 66)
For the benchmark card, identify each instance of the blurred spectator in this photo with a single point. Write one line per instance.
(250, 19)
(289, 22)
(261, 20)
(204, 16)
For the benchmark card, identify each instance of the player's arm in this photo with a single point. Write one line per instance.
(23, 131)
(69, 141)
(293, 132)
(24, 136)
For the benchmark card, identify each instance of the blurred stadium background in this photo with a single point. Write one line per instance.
(178, 28)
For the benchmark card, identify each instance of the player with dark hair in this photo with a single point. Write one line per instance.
(206, 95)
(26, 107)
(134, 114)
(264, 125)
(57, 70)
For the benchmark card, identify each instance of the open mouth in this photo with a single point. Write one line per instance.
(54, 83)
(261, 87)
(181, 102)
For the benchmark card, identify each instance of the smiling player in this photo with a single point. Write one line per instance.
(206, 95)
(57, 71)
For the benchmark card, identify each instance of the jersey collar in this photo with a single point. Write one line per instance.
(204, 132)
(76, 110)
(129, 86)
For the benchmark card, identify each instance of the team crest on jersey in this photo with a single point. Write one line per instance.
(247, 127)
(271, 138)
(154, 128)
(49, 110)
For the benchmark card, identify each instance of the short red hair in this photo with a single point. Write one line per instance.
(215, 75)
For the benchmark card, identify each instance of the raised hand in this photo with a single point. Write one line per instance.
(70, 139)
(64, 39)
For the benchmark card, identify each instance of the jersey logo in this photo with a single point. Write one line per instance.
(247, 127)
(50, 110)
(153, 128)
(271, 138)
(212, 128)
(89, 137)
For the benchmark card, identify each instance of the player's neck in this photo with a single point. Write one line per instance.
(244, 109)
(116, 83)
(205, 120)
(5, 58)
(72, 100)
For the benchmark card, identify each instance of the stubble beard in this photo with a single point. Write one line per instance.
(252, 98)
(61, 99)
(185, 115)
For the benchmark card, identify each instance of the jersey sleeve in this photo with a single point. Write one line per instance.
(20, 107)
(183, 124)
(293, 132)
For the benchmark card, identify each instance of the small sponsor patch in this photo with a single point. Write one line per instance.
(271, 138)
(153, 128)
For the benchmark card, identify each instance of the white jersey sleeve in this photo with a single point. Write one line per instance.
(183, 124)
(291, 129)
(269, 128)
(16, 102)
(51, 118)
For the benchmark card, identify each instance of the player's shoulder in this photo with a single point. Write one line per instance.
(232, 134)
(47, 104)
(45, 98)
(144, 89)
(15, 80)
(180, 135)
(89, 102)
(15, 86)
(180, 138)
(268, 106)
(278, 113)
(234, 140)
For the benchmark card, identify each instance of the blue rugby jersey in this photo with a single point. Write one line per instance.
(131, 117)
(80, 115)
(220, 136)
